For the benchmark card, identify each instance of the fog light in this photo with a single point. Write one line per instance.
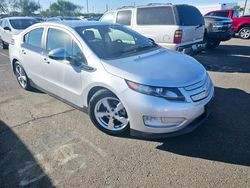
(162, 121)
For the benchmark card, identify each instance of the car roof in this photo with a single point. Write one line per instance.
(73, 23)
(19, 17)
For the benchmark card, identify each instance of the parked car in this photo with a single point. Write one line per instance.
(62, 18)
(241, 25)
(125, 80)
(12, 26)
(217, 29)
(177, 27)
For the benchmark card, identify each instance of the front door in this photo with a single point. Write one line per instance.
(63, 77)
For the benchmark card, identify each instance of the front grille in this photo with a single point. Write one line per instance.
(200, 90)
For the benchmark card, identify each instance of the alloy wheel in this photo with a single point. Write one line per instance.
(245, 33)
(21, 76)
(111, 114)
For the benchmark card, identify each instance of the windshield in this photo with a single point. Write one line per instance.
(114, 41)
(22, 23)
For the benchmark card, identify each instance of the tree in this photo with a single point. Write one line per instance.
(28, 7)
(62, 8)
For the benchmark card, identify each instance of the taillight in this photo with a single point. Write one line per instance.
(177, 36)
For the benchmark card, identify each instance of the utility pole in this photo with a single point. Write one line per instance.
(87, 6)
(245, 6)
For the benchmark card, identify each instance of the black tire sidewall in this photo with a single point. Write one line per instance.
(28, 83)
(91, 110)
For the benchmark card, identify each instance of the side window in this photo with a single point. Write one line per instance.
(59, 39)
(155, 16)
(236, 14)
(34, 37)
(108, 17)
(221, 14)
(124, 17)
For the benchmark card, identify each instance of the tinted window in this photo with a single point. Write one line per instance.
(189, 16)
(155, 16)
(34, 37)
(221, 14)
(116, 41)
(22, 23)
(124, 17)
(59, 39)
(108, 17)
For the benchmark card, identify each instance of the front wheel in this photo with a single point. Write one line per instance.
(108, 114)
(244, 33)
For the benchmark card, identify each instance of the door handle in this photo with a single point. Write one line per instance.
(45, 59)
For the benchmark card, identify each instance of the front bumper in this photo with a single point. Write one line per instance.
(139, 105)
(191, 127)
(220, 36)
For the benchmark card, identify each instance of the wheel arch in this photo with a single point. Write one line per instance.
(95, 89)
(243, 25)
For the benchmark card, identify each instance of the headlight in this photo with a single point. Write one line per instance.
(217, 24)
(167, 93)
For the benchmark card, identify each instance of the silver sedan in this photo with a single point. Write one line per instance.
(125, 81)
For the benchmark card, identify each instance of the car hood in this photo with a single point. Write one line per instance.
(161, 67)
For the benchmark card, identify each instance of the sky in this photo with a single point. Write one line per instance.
(100, 5)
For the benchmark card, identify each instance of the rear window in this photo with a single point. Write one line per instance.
(189, 16)
(155, 16)
(22, 23)
(124, 17)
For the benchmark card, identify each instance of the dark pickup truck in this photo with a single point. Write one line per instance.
(217, 29)
(241, 25)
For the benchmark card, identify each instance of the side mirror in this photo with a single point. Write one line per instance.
(152, 40)
(7, 28)
(59, 54)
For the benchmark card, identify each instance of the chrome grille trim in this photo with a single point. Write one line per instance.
(199, 90)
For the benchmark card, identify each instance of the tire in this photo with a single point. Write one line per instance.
(4, 45)
(212, 44)
(21, 76)
(105, 109)
(244, 33)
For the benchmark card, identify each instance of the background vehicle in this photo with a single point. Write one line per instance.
(12, 26)
(217, 29)
(106, 68)
(62, 18)
(241, 25)
(177, 27)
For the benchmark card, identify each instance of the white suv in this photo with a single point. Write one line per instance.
(177, 27)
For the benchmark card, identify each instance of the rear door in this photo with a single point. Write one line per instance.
(31, 49)
(191, 22)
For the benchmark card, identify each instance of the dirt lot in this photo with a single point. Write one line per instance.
(44, 142)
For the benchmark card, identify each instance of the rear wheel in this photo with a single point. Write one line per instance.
(108, 114)
(21, 76)
(244, 33)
